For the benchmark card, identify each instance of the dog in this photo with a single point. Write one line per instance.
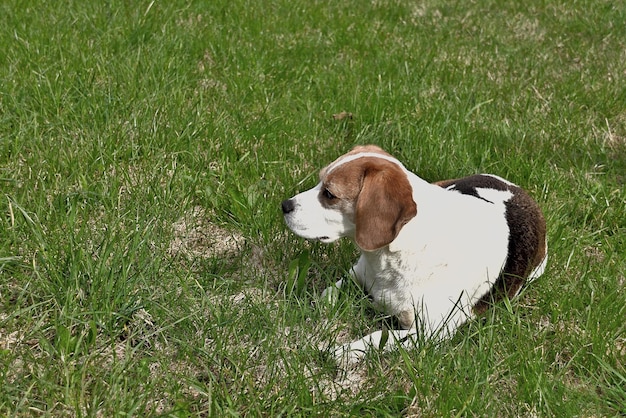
(433, 255)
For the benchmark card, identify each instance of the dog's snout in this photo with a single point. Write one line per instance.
(288, 206)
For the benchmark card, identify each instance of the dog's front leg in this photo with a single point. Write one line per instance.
(331, 293)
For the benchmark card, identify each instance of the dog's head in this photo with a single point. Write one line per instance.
(364, 194)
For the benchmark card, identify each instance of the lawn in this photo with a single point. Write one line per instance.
(145, 147)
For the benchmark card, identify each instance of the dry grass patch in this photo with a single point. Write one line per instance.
(195, 235)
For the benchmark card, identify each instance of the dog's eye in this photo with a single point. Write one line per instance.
(328, 195)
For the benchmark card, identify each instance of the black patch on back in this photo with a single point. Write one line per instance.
(468, 185)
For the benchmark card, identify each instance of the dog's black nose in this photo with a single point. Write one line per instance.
(288, 206)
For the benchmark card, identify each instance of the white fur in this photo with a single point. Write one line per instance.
(441, 263)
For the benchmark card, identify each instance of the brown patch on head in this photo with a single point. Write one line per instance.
(368, 148)
(373, 190)
(359, 149)
(345, 182)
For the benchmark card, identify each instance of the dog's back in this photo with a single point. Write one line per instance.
(527, 249)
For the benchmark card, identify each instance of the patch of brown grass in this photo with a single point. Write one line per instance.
(195, 235)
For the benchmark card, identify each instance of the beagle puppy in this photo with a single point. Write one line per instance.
(432, 254)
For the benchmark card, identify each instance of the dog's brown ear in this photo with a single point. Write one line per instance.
(383, 206)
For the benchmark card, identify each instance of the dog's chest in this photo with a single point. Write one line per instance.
(385, 280)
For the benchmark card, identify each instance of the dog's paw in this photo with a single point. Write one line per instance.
(330, 296)
(348, 355)
(343, 357)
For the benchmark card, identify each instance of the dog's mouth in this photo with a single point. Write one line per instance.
(306, 235)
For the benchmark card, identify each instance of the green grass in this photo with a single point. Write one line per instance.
(145, 148)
